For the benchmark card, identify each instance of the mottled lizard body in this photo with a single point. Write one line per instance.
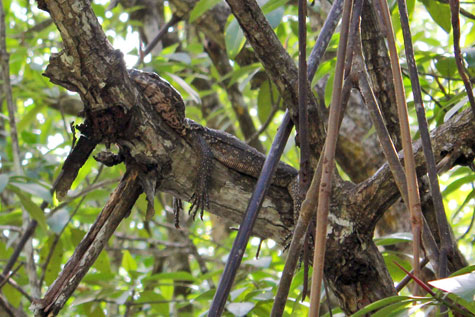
(224, 147)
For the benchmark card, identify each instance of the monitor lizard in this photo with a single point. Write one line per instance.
(208, 143)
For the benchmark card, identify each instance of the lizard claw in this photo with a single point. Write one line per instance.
(199, 202)
(177, 208)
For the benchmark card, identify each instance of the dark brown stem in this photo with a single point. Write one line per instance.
(443, 226)
(304, 172)
(255, 203)
(174, 20)
(455, 9)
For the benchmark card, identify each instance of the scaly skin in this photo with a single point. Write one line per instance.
(209, 143)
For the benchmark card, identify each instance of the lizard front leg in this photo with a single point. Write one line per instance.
(200, 198)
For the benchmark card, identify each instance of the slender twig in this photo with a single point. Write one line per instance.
(28, 224)
(324, 37)
(304, 172)
(389, 150)
(307, 211)
(11, 228)
(436, 76)
(30, 229)
(378, 122)
(266, 124)
(3, 302)
(242, 238)
(174, 20)
(328, 164)
(4, 278)
(408, 278)
(409, 162)
(7, 90)
(84, 192)
(16, 286)
(443, 226)
(470, 225)
(58, 236)
(305, 169)
(462, 11)
(310, 202)
(455, 9)
(458, 309)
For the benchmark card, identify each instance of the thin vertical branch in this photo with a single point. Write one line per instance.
(443, 225)
(309, 204)
(455, 9)
(389, 150)
(27, 222)
(242, 238)
(409, 162)
(304, 172)
(164, 29)
(324, 38)
(328, 164)
(7, 90)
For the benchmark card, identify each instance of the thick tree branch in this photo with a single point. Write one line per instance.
(118, 207)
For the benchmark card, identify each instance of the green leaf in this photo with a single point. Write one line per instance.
(28, 118)
(11, 218)
(201, 7)
(461, 285)
(234, 38)
(102, 263)
(148, 296)
(33, 209)
(205, 296)
(274, 17)
(380, 304)
(176, 276)
(13, 296)
(240, 309)
(265, 99)
(458, 183)
(446, 66)
(394, 238)
(459, 301)
(270, 6)
(400, 309)
(193, 94)
(179, 57)
(34, 189)
(389, 258)
(54, 264)
(29, 138)
(3, 181)
(128, 262)
(440, 12)
(242, 71)
(467, 269)
(58, 220)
